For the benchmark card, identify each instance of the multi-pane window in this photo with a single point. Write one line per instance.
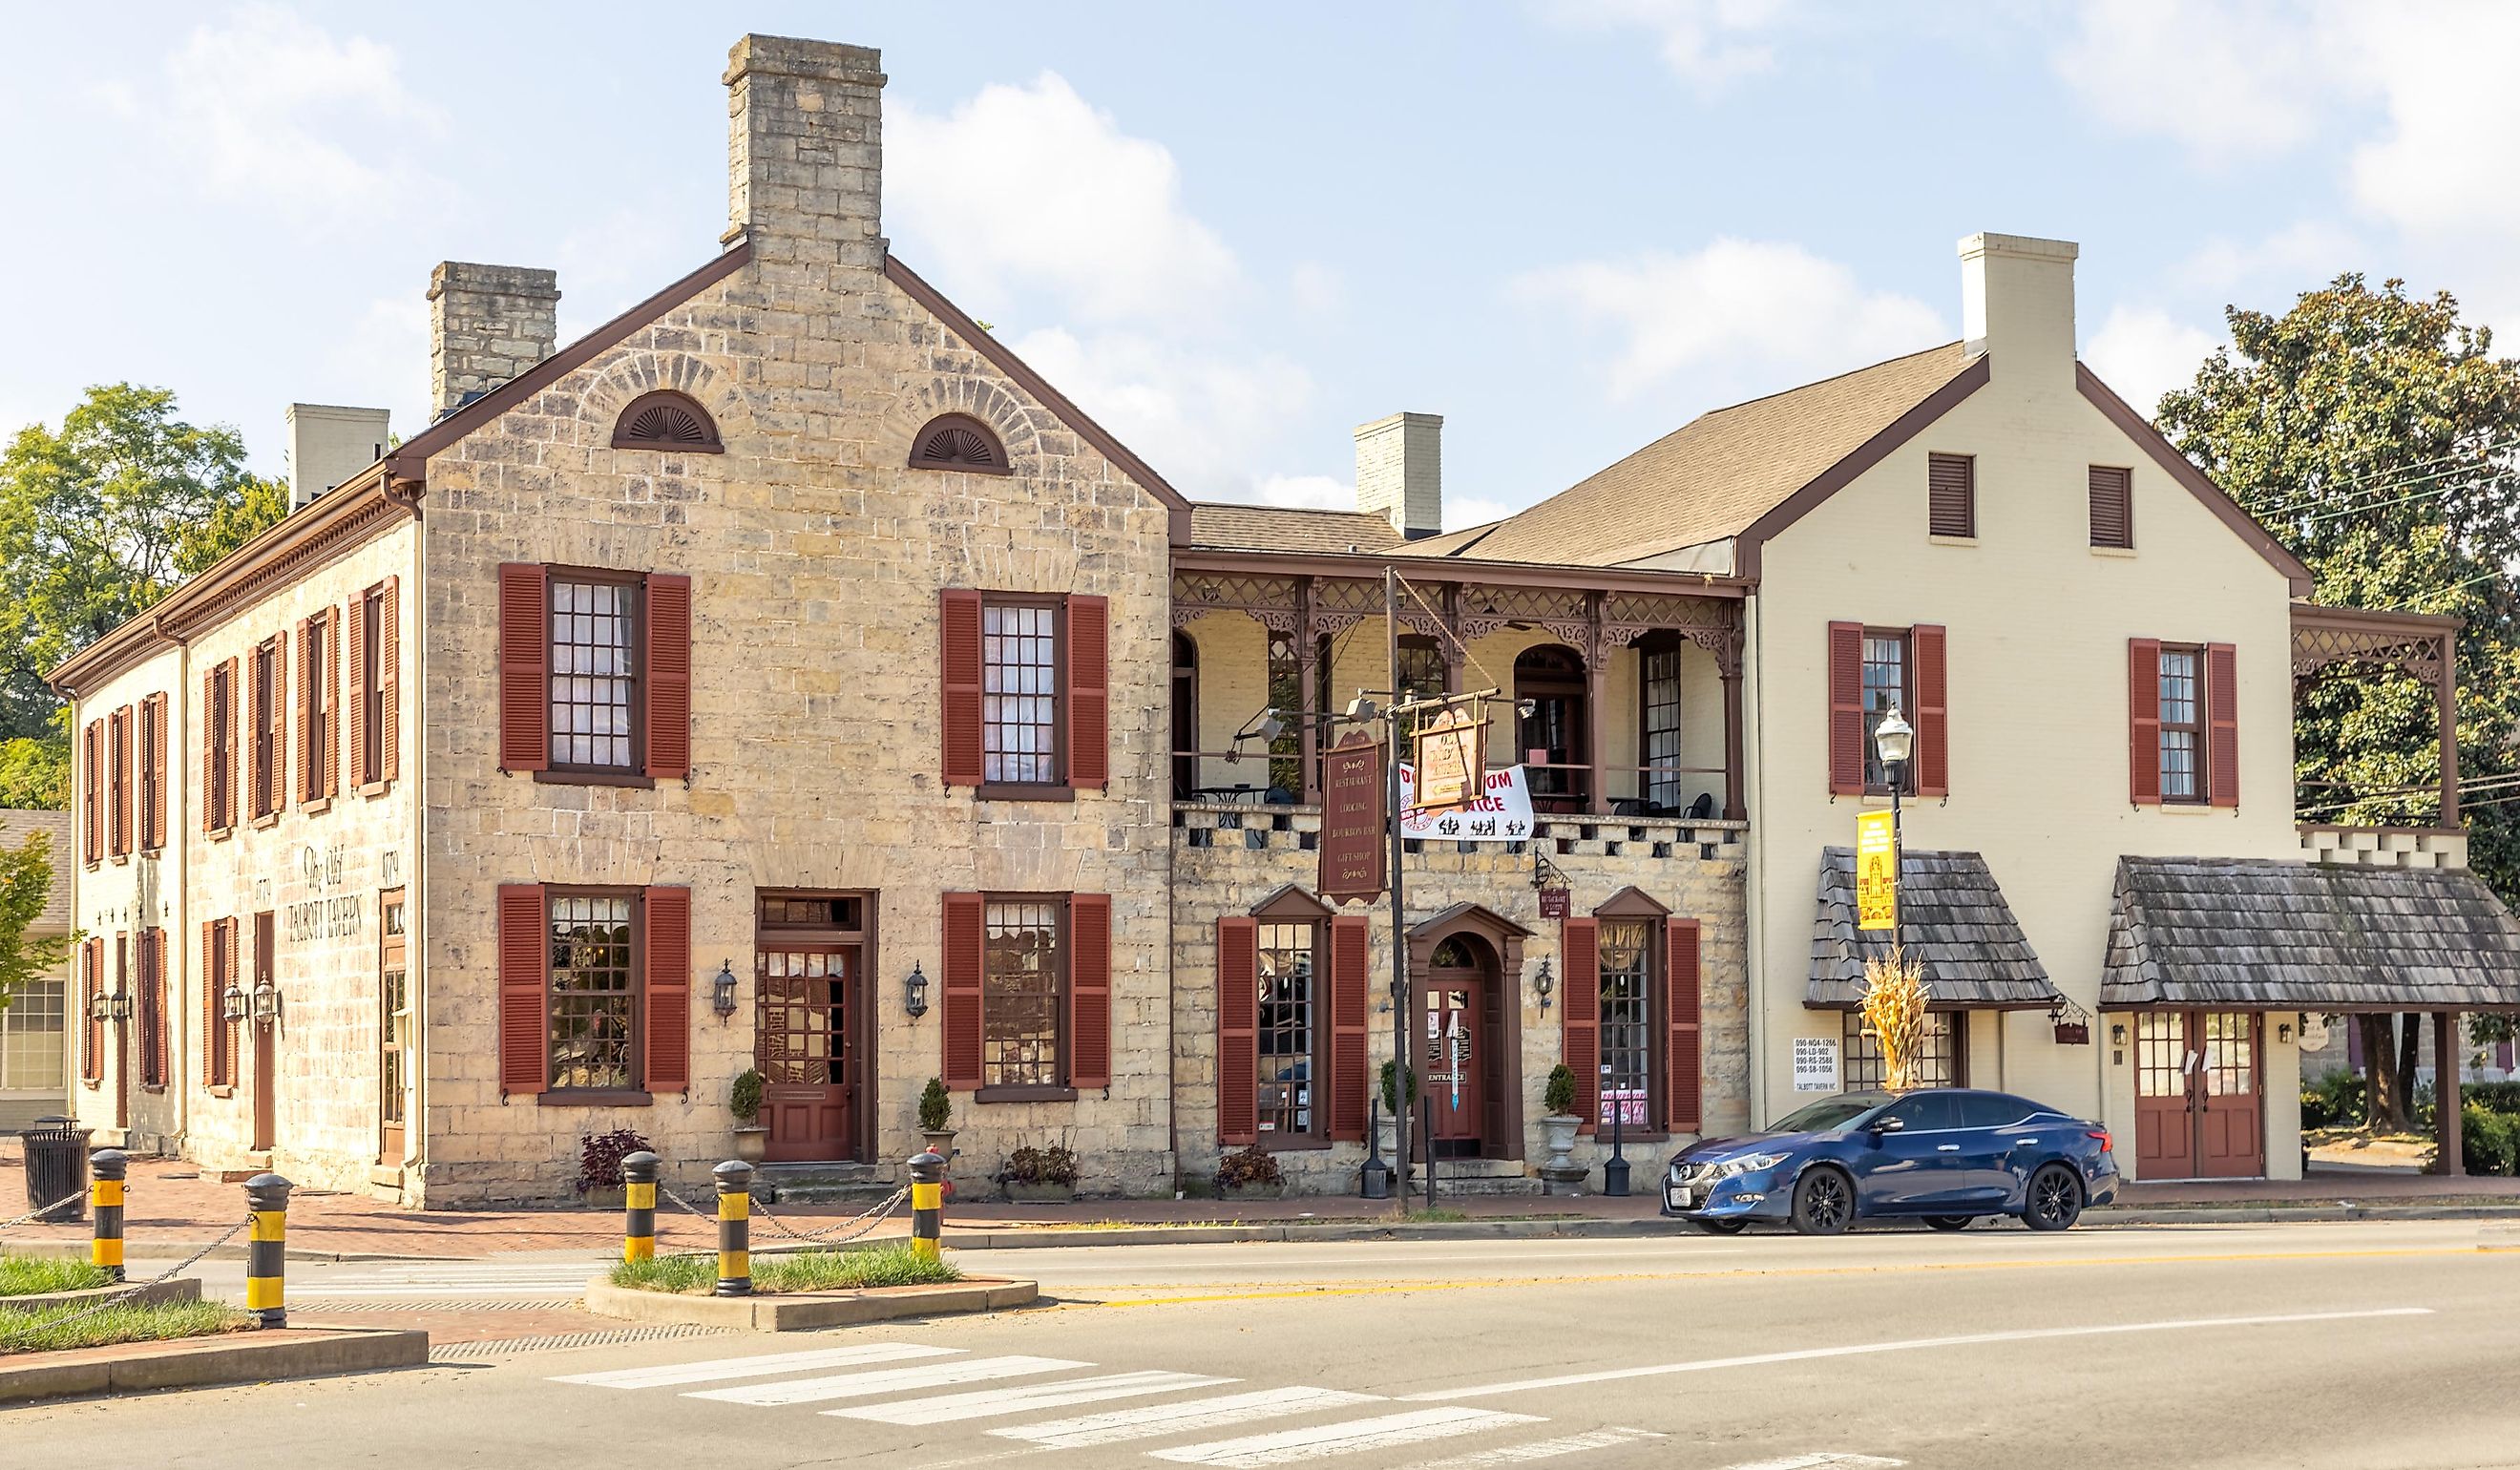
(1661, 729)
(1019, 692)
(1019, 993)
(30, 1038)
(593, 673)
(1627, 1022)
(1288, 1036)
(594, 990)
(1886, 668)
(1940, 1064)
(2181, 725)
(1286, 751)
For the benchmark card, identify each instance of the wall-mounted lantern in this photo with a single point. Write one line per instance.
(1542, 983)
(266, 1001)
(119, 1005)
(234, 1004)
(914, 998)
(722, 990)
(100, 1007)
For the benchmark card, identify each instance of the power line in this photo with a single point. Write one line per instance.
(2410, 604)
(2395, 476)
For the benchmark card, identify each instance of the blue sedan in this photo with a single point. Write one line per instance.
(1946, 1157)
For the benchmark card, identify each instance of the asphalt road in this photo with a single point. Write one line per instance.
(2367, 1345)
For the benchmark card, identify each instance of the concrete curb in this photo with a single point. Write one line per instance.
(181, 1289)
(805, 1310)
(193, 1362)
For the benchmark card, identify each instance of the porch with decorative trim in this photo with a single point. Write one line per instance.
(2364, 644)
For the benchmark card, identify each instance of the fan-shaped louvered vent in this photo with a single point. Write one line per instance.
(666, 421)
(957, 442)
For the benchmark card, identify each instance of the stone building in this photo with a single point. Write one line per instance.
(785, 676)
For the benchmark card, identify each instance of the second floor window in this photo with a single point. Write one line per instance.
(1886, 682)
(1019, 691)
(2182, 724)
(318, 712)
(118, 745)
(218, 777)
(270, 737)
(593, 675)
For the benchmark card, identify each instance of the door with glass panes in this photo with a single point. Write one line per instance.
(810, 1018)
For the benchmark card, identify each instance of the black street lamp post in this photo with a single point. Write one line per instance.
(1895, 739)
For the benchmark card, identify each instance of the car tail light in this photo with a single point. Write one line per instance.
(2103, 1135)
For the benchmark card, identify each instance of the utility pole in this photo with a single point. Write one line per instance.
(1400, 1009)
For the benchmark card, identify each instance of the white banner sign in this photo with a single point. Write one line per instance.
(1505, 816)
(1815, 1064)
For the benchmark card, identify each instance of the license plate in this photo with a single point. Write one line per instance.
(1680, 1199)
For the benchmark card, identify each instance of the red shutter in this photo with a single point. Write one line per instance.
(153, 973)
(1089, 990)
(278, 790)
(1237, 1031)
(92, 791)
(332, 697)
(1581, 1014)
(524, 964)
(210, 1003)
(389, 681)
(1845, 709)
(524, 667)
(669, 920)
(669, 676)
(959, 666)
(960, 996)
(92, 1059)
(2222, 726)
(209, 797)
(308, 694)
(2143, 721)
(1684, 1087)
(363, 678)
(155, 812)
(1089, 692)
(1933, 712)
(1350, 1081)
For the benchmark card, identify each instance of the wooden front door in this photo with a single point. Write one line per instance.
(1453, 1043)
(806, 1046)
(2199, 1107)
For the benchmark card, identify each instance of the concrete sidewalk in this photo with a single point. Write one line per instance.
(173, 1207)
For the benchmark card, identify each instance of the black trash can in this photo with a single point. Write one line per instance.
(56, 1166)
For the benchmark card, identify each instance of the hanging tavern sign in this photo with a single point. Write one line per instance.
(1452, 768)
(1503, 814)
(1354, 834)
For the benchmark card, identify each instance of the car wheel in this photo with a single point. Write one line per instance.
(1722, 1227)
(2055, 1200)
(1823, 1203)
(1951, 1222)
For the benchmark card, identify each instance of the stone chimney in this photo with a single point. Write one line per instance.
(2017, 303)
(328, 445)
(487, 323)
(804, 142)
(1400, 471)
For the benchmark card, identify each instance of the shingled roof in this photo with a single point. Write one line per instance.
(1951, 917)
(16, 824)
(2246, 934)
(1278, 528)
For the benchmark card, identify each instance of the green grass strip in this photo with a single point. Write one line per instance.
(806, 1270)
(34, 1276)
(132, 1322)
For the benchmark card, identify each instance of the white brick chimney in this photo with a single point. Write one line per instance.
(1400, 471)
(804, 146)
(2017, 303)
(487, 323)
(328, 444)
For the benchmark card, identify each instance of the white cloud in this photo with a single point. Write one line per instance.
(1306, 492)
(1318, 289)
(2144, 353)
(2297, 257)
(2229, 82)
(1753, 305)
(1033, 187)
(1199, 417)
(1709, 44)
(2446, 160)
(380, 358)
(1473, 510)
(268, 106)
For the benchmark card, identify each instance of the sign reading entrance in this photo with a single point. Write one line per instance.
(1876, 872)
(1451, 767)
(1354, 834)
(1815, 1064)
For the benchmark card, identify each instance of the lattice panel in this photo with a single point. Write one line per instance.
(1271, 600)
(2318, 650)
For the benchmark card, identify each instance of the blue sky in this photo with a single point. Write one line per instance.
(1233, 233)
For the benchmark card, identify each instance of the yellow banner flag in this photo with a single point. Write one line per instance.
(1876, 872)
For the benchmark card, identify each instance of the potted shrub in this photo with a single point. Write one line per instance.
(1040, 1175)
(744, 1099)
(599, 1165)
(1561, 1173)
(936, 1119)
(1386, 1133)
(1250, 1173)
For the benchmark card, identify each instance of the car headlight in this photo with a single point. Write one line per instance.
(1754, 1163)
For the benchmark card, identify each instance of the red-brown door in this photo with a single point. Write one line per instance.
(1453, 1044)
(2165, 1125)
(2199, 1107)
(807, 1050)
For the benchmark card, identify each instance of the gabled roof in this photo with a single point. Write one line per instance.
(16, 825)
(1951, 917)
(2254, 933)
(1276, 528)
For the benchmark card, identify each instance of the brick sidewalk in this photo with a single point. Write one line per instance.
(172, 1205)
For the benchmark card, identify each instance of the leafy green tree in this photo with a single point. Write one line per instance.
(35, 774)
(103, 518)
(26, 881)
(2376, 434)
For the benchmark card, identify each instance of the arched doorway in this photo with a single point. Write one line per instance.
(1466, 970)
(1552, 739)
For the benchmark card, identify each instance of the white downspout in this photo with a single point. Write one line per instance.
(1754, 947)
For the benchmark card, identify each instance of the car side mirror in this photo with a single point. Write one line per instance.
(1882, 1126)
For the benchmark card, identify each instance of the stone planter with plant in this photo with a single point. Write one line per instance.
(1250, 1173)
(1040, 1175)
(599, 1165)
(744, 1099)
(936, 1119)
(1561, 1174)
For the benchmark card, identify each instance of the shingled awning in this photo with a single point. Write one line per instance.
(2247, 934)
(1951, 917)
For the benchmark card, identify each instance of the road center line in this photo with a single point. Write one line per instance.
(1973, 1339)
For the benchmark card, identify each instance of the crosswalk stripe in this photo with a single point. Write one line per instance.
(1537, 1449)
(1154, 1419)
(760, 1365)
(887, 1381)
(1321, 1441)
(1022, 1398)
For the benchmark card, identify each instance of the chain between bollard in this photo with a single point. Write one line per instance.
(870, 1218)
(122, 1297)
(73, 1197)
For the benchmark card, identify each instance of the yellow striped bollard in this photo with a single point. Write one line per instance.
(734, 1228)
(105, 1169)
(639, 1206)
(266, 1197)
(927, 1204)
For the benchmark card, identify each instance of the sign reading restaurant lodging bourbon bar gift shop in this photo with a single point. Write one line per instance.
(1354, 834)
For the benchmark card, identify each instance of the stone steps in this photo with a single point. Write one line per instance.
(822, 1183)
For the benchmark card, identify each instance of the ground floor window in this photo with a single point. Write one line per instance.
(31, 1058)
(1627, 1022)
(1289, 1030)
(594, 990)
(1944, 1065)
(1021, 972)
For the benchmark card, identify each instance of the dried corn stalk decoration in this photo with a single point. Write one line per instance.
(1894, 1015)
